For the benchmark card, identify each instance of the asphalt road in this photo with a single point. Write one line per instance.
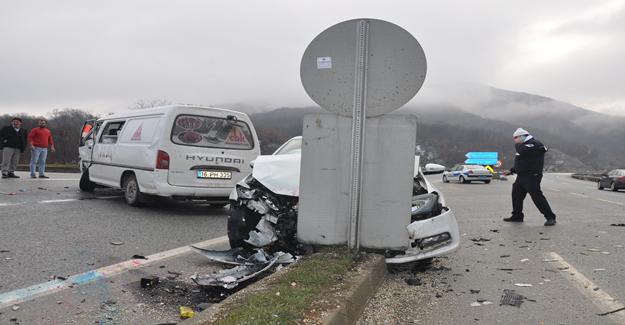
(589, 254)
(51, 229)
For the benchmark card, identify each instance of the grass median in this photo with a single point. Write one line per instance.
(288, 297)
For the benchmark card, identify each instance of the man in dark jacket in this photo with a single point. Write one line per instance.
(13, 143)
(528, 165)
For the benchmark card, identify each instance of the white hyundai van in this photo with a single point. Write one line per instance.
(182, 152)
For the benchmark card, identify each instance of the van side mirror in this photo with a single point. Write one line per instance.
(252, 163)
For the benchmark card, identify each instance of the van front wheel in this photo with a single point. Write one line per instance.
(85, 184)
(132, 193)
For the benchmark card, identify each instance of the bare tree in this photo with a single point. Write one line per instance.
(149, 103)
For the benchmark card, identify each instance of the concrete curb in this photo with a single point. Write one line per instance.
(361, 289)
(350, 307)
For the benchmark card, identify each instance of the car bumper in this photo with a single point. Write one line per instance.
(423, 229)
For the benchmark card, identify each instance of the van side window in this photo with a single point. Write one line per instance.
(110, 132)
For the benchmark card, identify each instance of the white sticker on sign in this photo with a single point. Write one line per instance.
(324, 62)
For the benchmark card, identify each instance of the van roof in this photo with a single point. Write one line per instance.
(166, 109)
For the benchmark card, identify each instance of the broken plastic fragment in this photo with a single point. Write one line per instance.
(231, 256)
(264, 235)
(231, 278)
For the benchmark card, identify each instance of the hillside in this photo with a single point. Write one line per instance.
(579, 139)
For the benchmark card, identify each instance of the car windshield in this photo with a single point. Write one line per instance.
(211, 132)
(291, 147)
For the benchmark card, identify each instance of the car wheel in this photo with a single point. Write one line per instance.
(445, 180)
(486, 182)
(132, 192)
(240, 222)
(85, 184)
(613, 187)
(599, 186)
(462, 180)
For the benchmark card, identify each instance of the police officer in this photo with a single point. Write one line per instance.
(528, 165)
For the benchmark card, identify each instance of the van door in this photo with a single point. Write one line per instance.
(86, 141)
(103, 169)
(210, 151)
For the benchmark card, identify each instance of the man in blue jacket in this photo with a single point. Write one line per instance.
(528, 165)
(13, 143)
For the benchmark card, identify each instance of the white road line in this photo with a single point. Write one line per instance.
(553, 189)
(48, 179)
(578, 194)
(61, 200)
(600, 298)
(57, 201)
(617, 203)
(43, 289)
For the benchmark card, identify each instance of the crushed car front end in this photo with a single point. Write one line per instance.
(263, 213)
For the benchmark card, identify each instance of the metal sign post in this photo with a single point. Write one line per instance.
(358, 127)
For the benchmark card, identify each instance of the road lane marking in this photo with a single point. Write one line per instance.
(63, 200)
(617, 203)
(578, 194)
(600, 298)
(43, 289)
(49, 179)
(57, 201)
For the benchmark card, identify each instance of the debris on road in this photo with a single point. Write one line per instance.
(522, 284)
(474, 291)
(149, 282)
(186, 312)
(117, 243)
(15, 308)
(479, 239)
(413, 281)
(510, 297)
(524, 260)
(139, 257)
(612, 311)
(618, 225)
(231, 278)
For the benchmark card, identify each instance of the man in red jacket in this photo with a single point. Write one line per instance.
(40, 139)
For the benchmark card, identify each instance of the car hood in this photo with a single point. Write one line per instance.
(279, 173)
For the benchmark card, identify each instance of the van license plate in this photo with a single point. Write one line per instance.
(213, 174)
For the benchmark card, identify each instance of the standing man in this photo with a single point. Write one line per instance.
(528, 165)
(40, 139)
(12, 143)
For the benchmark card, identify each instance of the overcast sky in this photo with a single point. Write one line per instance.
(106, 55)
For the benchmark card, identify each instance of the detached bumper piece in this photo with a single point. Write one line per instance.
(247, 268)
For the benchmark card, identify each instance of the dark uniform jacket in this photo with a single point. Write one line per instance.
(530, 157)
(11, 139)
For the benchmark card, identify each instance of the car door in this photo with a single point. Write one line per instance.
(103, 169)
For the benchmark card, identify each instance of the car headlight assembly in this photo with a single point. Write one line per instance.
(433, 241)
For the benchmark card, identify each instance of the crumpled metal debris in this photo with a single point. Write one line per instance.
(510, 297)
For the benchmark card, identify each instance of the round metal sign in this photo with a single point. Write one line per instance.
(395, 67)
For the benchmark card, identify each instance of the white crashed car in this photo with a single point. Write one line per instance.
(272, 192)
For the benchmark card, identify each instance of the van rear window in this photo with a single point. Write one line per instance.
(211, 132)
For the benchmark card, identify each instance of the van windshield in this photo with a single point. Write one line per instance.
(211, 132)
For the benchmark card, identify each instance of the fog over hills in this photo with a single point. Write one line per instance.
(456, 120)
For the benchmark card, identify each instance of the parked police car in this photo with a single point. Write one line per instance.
(467, 174)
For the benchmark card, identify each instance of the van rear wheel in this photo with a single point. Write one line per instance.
(85, 184)
(132, 192)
